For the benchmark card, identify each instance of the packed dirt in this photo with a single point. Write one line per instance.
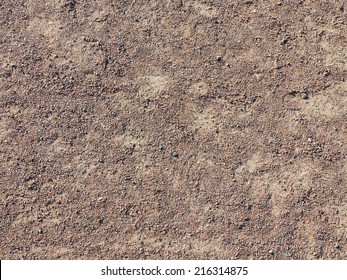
(173, 129)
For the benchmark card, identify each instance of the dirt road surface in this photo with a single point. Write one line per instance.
(173, 129)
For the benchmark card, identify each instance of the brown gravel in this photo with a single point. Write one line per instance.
(173, 129)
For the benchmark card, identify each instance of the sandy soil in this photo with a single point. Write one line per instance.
(173, 129)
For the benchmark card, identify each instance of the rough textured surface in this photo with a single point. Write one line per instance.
(173, 129)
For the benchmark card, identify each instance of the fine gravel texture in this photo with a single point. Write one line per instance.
(176, 129)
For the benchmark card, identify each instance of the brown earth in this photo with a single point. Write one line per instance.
(173, 129)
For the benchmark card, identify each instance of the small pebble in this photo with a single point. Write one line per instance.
(241, 226)
(285, 41)
(304, 95)
(326, 73)
(175, 154)
(218, 58)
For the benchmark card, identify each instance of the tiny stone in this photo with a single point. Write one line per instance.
(219, 58)
(304, 95)
(241, 226)
(175, 154)
(271, 252)
(285, 41)
(326, 73)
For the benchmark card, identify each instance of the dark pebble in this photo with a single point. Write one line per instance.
(175, 154)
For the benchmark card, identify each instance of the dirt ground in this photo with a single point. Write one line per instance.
(175, 129)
